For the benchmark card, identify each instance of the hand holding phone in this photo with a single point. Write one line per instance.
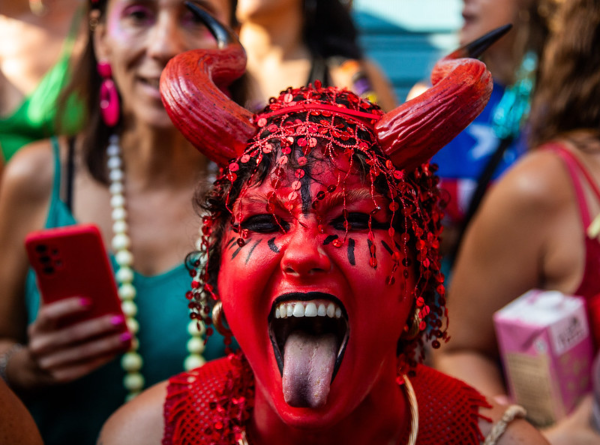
(72, 262)
(80, 325)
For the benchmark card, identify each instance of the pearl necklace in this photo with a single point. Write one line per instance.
(132, 361)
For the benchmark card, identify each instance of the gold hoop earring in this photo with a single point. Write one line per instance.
(217, 319)
(412, 332)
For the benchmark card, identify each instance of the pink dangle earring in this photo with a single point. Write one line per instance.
(109, 98)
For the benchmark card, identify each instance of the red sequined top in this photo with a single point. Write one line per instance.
(448, 408)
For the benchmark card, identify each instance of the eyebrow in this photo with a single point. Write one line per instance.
(205, 5)
(260, 198)
(338, 197)
(334, 199)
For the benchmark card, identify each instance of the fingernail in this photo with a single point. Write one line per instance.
(125, 337)
(85, 301)
(117, 320)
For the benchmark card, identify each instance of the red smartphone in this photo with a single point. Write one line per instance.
(72, 262)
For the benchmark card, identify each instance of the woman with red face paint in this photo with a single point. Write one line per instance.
(133, 175)
(321, 247)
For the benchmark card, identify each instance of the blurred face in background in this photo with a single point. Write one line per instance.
(482, 16)
(138, 38)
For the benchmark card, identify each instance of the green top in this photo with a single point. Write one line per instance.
(73, 414)
(36, 117)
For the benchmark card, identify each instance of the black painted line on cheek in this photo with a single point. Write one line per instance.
(386, 247)
(231, 241)
(236, 252)
(329, 239)
(305, 191)
(252, 250)
(351, 244)
(239, 248)
(272, 245)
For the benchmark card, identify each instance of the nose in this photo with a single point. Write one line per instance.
(304, 256)
(167, 39)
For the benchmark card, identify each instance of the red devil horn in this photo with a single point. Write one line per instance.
(412, 133)
(189, 86)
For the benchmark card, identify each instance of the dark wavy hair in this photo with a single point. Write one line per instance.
(329, 30)
(568, 93)
(85, 85)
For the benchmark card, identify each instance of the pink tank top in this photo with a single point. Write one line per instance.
(589, 288)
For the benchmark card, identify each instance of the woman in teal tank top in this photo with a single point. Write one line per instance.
(73, 378)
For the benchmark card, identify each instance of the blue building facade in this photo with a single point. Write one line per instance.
(406, 37)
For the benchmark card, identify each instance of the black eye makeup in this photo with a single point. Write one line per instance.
(264, 223)
(357, 221)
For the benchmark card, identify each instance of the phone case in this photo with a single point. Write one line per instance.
(72, 262)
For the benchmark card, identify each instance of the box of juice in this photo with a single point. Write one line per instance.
(547, 352)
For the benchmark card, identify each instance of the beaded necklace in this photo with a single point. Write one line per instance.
(132, 361)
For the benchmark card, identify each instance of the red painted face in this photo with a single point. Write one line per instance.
(304, 310)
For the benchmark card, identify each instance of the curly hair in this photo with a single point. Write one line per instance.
(568, 94)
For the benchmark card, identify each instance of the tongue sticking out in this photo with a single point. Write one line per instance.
(308, 364)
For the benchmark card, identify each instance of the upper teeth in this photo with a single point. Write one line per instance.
(308, 309)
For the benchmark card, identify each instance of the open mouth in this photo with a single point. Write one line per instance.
(309, 333)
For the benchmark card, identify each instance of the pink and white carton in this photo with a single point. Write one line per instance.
(547, 353)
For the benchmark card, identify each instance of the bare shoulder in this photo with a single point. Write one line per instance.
(139, 422)
(16, 424)
(25, 193)
(537, 187)
(30, 173)
(518, 431)
(539, 178)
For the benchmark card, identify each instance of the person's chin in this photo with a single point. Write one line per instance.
(157, 118)
(469, 32)
(311, 418)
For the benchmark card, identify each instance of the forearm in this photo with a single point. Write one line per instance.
(20, 371)
(576, 428)
(476, 369)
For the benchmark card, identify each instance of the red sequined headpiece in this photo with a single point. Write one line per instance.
(303, 107)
